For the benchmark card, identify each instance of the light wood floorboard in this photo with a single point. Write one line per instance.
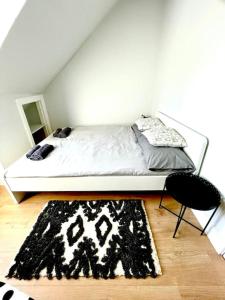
(191, 267)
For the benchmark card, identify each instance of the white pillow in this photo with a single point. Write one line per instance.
(165, 137)
(148, 123)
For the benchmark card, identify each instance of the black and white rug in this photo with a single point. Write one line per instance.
(8, 292)
(100, 238)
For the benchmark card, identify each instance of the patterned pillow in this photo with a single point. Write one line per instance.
(145, 123)
(165, 136)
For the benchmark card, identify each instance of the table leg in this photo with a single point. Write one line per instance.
(162, 194)
(209, 220)
(182, 211)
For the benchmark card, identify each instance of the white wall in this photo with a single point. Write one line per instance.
(191, 83)
(111, 78)
(13, 139)
(43, 38)
(1, 173)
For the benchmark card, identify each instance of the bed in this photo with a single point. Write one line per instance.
(124, 175)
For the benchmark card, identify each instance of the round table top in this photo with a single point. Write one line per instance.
(192, 191)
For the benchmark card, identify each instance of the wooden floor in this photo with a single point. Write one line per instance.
(191, 267)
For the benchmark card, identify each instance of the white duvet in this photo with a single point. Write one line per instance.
(87, 151)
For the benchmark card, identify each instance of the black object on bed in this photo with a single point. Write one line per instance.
(56, 133)
(163, 158)
(41, 152)
(36, 147)
(62, 133)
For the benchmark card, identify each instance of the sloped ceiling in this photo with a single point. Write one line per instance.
(43, 38)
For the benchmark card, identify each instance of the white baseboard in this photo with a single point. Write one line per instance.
(216, 229)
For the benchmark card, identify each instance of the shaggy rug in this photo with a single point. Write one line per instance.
(8, 292)
(102, 239)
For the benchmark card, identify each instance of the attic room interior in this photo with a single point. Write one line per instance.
(111, 157)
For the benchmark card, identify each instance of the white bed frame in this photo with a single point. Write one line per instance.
(196, 149)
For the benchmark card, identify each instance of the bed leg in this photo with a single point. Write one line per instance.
(17, 197)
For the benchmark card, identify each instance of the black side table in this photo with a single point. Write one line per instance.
(191, 191)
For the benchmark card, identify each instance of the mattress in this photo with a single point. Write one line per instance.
(87, 151)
